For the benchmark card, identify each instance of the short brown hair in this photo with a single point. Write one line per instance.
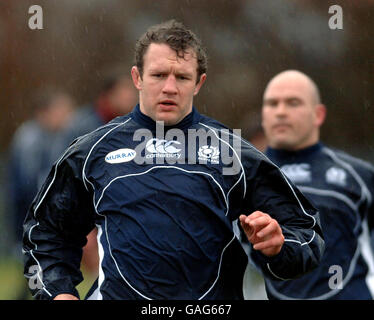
(177, 37)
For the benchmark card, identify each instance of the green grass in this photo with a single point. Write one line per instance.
(86, 284)
(12, 282)
(13, 285)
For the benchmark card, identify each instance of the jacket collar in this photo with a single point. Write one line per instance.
(285, 155)
(147, 122)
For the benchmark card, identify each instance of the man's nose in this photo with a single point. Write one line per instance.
(281, 109)
(170, 85)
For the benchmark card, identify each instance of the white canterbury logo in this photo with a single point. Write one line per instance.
(160, 148)
(298, 172)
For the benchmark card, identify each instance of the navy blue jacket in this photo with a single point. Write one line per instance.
(342, 188)
(165, 230)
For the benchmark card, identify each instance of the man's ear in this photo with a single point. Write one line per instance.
(200, 84)
(136, 78)
(321, 112)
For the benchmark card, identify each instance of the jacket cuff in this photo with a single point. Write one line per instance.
(264, 262)
(45, 294)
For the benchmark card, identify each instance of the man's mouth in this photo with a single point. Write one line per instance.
(167, 104)
(281, 126)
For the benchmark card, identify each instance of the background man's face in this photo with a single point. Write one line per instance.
(58, 114)
(122, 97)
(289, 115)
(168, 84)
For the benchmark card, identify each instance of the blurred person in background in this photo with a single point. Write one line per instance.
(35, 146)
(339, 185)
(116, 97)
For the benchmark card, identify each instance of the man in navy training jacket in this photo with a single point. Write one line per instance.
(172, 214)
(339, 185)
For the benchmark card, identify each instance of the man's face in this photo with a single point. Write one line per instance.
(122, 97)
(58, 114)
(168, 84)
(290, 115)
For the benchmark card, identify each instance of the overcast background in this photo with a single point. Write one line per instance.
(247, 41)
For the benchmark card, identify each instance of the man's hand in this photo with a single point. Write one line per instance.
(65, 296)
(263, 232)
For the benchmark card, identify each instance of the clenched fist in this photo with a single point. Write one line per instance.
(263, 232)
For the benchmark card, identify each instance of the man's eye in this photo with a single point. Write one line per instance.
(271, 103)
(294, 102)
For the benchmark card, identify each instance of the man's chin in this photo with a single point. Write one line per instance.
(283, 145)
(169, 118)
(168, 121)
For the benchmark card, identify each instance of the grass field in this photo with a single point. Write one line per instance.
(13, 285)
(11, 279)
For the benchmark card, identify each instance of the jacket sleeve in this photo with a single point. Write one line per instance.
(269, 191)
(55, 230)
(370, 213)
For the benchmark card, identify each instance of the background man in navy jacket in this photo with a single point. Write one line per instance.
(339, 185)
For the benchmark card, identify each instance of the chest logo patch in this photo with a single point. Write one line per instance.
(120, 155)
(298, 172)
(209, 154)
(336, 176)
